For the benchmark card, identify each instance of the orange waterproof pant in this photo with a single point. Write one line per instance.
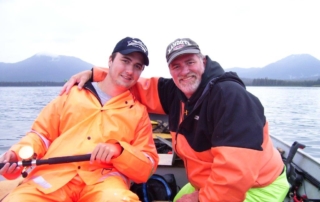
(112, 189)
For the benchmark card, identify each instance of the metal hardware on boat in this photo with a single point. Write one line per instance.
(292, 172)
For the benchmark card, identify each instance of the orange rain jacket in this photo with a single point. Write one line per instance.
(74, 124)
(221, 132)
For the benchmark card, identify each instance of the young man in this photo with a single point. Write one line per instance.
(218, 128)
(105, 120)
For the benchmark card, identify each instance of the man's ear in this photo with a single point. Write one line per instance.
(110, 62)
(204, 61)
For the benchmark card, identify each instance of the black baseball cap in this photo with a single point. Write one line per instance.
(129, 45)
(180, 47)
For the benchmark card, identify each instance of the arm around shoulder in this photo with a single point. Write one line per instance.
(98, 73)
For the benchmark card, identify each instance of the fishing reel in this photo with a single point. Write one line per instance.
(27, 155)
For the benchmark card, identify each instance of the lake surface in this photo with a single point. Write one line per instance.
(293, 113)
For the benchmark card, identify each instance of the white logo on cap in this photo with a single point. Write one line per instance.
(178, 44)
(138, 44)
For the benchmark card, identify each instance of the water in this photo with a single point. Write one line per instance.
(19, 106)
(293, 113)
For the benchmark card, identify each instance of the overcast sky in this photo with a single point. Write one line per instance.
(236, 33)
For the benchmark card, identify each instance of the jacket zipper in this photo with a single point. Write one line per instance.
(176, 141)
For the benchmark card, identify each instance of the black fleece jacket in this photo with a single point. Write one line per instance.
(220, 113)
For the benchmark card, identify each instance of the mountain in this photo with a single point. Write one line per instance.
(293, 67)
(42, 67)
(59, 68)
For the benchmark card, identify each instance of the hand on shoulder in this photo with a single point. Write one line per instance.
(80, 78)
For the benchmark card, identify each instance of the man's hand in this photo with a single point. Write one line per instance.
(105, 151)
(81, 78)
(10, 171)
(193, 197)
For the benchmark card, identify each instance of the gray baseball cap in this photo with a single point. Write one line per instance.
(179, 47)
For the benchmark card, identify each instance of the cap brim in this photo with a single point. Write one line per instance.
(128, 51)
(173, 56)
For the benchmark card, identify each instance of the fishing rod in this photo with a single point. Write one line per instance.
(27, 155)
(53, 160)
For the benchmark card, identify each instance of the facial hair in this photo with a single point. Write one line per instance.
(188, 87)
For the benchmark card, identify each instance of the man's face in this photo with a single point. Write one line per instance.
(125, 70)
(186, 71)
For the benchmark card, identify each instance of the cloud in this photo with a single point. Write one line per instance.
(243, 33)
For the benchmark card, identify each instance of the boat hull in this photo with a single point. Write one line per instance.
(305, 165)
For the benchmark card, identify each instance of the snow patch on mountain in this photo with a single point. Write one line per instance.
(54, 57)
